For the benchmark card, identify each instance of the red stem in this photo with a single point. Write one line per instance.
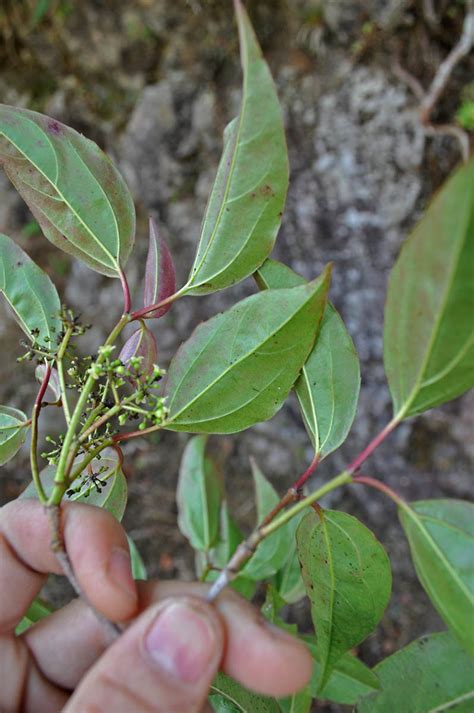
(141, 313)
(127, 302)
(307, 474)
(42, 389)
(379, 486)
(362, 457)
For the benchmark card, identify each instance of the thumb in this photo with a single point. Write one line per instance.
(164, 662)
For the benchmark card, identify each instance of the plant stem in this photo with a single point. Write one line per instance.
(69, 444)
(15, 426)
(89, 458)
(141, 313)
(62, 381)
(127, 302)
(119, 437)
(293, 493)
(362, 457)
(246, 549)
(364, 480)
(34, 436)
(100, 422)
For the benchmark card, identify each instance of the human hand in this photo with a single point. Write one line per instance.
(173, 644)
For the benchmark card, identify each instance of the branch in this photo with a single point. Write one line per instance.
(34, 435)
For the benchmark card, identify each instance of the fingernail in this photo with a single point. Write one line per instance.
(182, 642)
(120, 571)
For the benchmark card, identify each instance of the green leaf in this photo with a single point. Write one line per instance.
(138, 565)
(30, 294)
(441, 537)
(225, 690)
(429, 330)
(246, 203)
(113, 495)
(72, 188)
(297, 703)
(348, 581)
(430, 675)
(328, 388)
(288, 580)
(272, 551)
(237, 368)
(199, 496)
(38, 610)
(12, 432)
(349, 680)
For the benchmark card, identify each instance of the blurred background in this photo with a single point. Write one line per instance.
(154, 83)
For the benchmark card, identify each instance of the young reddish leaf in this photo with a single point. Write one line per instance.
(141, 343)
(160, 275)
(53, 390)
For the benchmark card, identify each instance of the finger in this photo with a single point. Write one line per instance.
(164, 662)
(259, 655)
(97, 547)
(67, 643)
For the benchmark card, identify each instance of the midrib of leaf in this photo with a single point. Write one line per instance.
(333, 400)
(53, 183)
(236, 363)
(313, 410)
(441, 374)
(232, 166)
(439, 553)
(454, 701)
(418, 384)
(331, 600)
(229, 698)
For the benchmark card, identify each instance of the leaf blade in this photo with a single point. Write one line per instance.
(417, 679)
(272, 331)
(428, 334)
(248, 196)
(12, 432)
(75, 193)
(329, 385)
(244, 700)
(160, 273)
(441, 538)
(348, 581)
(30, 293)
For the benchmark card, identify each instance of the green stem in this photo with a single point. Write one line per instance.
(100, 422)
(62, 380)
(89, 458)
(61, 477)
(246, 549)
(342, 479)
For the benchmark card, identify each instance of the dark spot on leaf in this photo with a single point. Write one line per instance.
(54, 127)
(266, 191)
(19, 263)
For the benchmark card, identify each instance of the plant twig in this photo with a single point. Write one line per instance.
(293, 493)
(247, 548)
(364, 480)
(362, 457)
(57, 546)
(62, 380)
(446, 67)
(34, 435)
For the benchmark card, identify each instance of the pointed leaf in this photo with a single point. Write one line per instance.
(30, 294)
(237, 368)
(12, 432)
(72, 188)
(348, 581)
(160, 274)
(138, 565)
(429, 329)
(441, 537)
(245, 207)
(113, 486)
(37, 610)
(224, 691)
(430, 675)
(54, 389)
(142, 345)
(349, 680)
(271, 552)
(198, 496)
(328, 388)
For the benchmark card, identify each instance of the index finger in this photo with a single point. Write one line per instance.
(96, 545)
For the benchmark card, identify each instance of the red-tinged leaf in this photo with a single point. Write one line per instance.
(141, 343)
(160, 275)
(54, 390)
